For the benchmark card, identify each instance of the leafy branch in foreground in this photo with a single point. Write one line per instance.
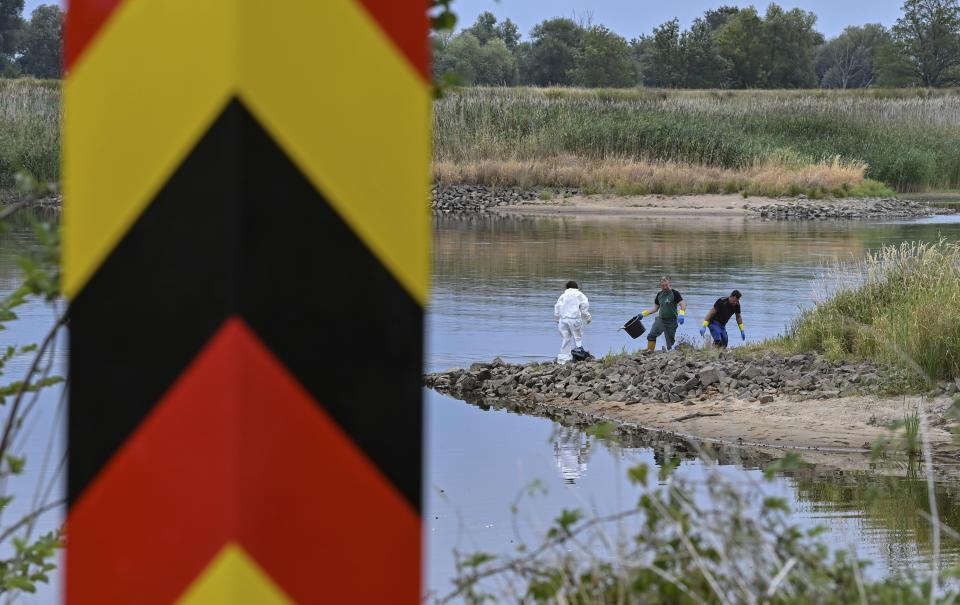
(734, 544)
(31, 558)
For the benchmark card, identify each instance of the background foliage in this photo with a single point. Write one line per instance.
(729, 47)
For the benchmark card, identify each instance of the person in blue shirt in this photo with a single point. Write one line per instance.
(718, 316)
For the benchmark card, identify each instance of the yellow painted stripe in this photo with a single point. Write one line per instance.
(351, 112)
(142, 95)
(233, 578)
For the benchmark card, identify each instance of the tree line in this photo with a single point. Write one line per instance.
(30, 48)
(728, 47)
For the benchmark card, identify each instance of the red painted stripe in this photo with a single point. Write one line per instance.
(238, 451)
(407, 24)
(84, 20)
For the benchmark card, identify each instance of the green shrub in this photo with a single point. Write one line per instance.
(898, 305)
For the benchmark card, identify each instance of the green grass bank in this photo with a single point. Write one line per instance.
(906, 139)
(901, 304)
(29, 129)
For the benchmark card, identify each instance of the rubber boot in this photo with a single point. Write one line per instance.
(651, 345)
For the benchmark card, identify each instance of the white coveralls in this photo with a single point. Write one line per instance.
(571, 310)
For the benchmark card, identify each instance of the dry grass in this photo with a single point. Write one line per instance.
(626, 176)
(908, 140)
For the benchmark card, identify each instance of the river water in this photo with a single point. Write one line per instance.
(494, 284)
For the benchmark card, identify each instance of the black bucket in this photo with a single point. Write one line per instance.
(634, 327)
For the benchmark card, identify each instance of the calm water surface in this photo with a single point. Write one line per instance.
(43, 438)
(494, 284)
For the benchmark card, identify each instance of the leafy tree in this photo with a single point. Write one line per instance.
(789, 40)
(42, 43)
(551, 55)
(603, 59)
(508, 31)
(928, 35)
(703, 66)
(717, 18)
(892, 68)
(484, 28)
(472, 62)
(742, 44)
(497, 66)
(847, 61)
(661, 56)
(11, 27)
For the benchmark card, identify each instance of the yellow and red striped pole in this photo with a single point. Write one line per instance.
(246, 254)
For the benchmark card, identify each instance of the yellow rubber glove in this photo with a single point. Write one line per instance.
(704, 328)
(680, 319)
(743, 335)
(645, 313)
(589, 320)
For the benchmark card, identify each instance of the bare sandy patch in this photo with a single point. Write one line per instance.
(718, 205)
(838, 424)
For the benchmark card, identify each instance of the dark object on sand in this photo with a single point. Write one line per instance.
(580, 354)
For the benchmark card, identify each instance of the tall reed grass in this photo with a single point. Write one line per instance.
(29, 130)
(900, 304)
(908, 140)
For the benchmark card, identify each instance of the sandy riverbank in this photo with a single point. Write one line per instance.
(846, 423)
(642, 205)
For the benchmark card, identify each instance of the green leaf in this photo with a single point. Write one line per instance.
(444, 21)
(478, 559)
(15, 464)
(638, 474)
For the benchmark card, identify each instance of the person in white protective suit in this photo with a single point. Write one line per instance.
(571, 310)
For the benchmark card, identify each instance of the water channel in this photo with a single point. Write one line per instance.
(494, 284)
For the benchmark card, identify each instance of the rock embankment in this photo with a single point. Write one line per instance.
(673, 377)
(474, 199)
(802, 209)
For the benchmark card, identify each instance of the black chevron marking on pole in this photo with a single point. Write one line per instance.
(239, 230)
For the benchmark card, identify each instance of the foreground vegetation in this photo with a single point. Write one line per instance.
(732, 544)
(901, 304)
(762, 142)
(29, 130)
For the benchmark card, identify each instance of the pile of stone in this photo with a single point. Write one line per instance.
(673, 376)
(803, 209)
(471, 199)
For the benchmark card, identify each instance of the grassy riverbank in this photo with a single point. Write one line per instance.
(29, 130)
(645, 141)
(901, 304)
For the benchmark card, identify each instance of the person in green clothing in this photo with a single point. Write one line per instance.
(667, 302)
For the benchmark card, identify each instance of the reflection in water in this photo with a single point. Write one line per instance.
(571, 448)
(887, 509)
(494, 284)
